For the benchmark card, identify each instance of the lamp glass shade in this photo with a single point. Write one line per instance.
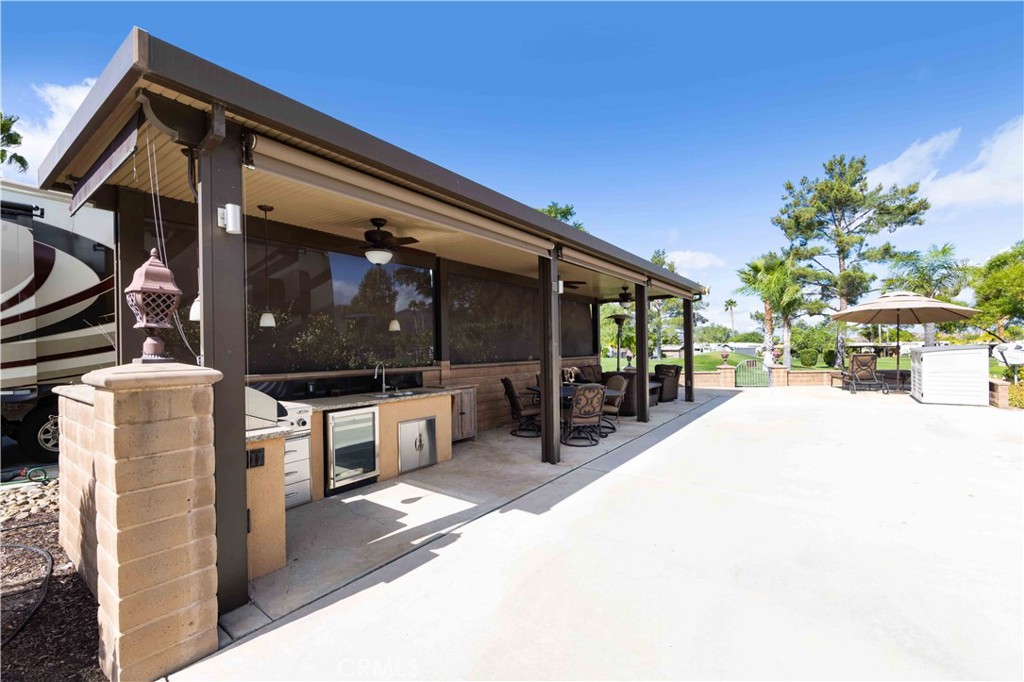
(267, 320)
(379, 256)
(394, 326)
(194, 311)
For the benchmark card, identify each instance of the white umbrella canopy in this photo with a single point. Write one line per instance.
(904, 307)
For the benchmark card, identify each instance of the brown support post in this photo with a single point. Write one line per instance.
(595, 321)
(550, 362)
(688, 350)
(129, 253)
(441, 345)
(222, 290)
(643, 409)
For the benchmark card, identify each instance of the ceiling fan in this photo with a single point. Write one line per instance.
(380, 244)
(572, 283)
(625, 296)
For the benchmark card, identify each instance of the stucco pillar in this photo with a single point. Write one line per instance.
(727, 375)
(780, 375)
(155, 553)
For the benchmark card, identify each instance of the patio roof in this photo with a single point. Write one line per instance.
(145, 64)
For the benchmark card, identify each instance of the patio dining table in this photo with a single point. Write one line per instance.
(566, 390)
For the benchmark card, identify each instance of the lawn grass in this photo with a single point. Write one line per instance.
(702, 362)
(889, 363)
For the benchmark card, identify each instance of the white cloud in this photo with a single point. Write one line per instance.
(917, 163)
(38, 136)
(995, 177)
(689, 261)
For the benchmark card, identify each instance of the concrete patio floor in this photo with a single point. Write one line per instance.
(791, 533)
(332, 542)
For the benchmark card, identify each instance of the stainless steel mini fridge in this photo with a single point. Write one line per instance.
(351, 446)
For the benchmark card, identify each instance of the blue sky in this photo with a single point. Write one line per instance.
(666, 125)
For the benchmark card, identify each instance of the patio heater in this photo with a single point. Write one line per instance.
(620, 319)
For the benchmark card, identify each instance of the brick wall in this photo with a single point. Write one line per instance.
(998, 393)
(78, 480)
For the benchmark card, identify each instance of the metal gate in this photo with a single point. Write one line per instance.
(752, 373)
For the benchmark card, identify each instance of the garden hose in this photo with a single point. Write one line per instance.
(21, 615)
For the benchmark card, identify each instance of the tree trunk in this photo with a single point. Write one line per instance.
(929, 333)
(787, 350)
(840, 361)
(769, 333)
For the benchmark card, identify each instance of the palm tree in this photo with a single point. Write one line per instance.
(753, 277)
(730, 306)
(936, 273)
(777, 281)
(9, 139)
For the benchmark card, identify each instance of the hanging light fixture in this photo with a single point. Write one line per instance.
(394, 326)
(195, 310)
(267, 318)
(379, 255)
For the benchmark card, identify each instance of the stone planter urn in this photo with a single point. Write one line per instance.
(776, 354)
(725, 355)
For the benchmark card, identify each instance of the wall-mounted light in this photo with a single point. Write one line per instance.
(394, 326)
(230, 218)
(379, 255)
(267, 318)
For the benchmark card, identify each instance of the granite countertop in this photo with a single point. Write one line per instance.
(267, 433)
(345, 402)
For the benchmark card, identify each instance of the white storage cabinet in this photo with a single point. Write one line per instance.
(950, 375)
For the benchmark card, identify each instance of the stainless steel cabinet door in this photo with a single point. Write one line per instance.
(417, 444)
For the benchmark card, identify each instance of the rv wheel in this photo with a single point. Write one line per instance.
(38, 435)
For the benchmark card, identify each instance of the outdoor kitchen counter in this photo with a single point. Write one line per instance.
(346, 402)
(424, 402)
(266, 433)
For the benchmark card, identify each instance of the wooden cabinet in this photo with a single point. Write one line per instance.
(464, 414)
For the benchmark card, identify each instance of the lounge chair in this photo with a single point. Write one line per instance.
(581, 421)
(527, 418)
(862, 374)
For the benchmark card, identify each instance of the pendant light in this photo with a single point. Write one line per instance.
(267, 318)
(195, 311)
(394, 325)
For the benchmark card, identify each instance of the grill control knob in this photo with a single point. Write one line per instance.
(301, 422)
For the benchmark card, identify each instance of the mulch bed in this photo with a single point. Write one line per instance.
(60, 641)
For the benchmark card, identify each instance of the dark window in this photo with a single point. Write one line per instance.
(577, 328)
(498, 321)
(492, 321)
(334, 311)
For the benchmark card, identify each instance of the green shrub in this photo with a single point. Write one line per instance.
(829, 356)
(808, 357)
(1017, 395)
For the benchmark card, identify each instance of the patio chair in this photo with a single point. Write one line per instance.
(862, 374)
(581, 421)
(668, 375)
(527, 418)
(610, 410)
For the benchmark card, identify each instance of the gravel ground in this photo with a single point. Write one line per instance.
(60, 641)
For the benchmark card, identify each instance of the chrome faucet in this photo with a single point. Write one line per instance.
(383, 374)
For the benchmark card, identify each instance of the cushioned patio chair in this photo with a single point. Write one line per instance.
(668, 375)
(581, 421)
(527, 417)
(862, 374)
(610, 410)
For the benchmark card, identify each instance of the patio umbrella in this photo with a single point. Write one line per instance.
(904, 307)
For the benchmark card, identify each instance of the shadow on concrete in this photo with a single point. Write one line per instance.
(337, 546)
